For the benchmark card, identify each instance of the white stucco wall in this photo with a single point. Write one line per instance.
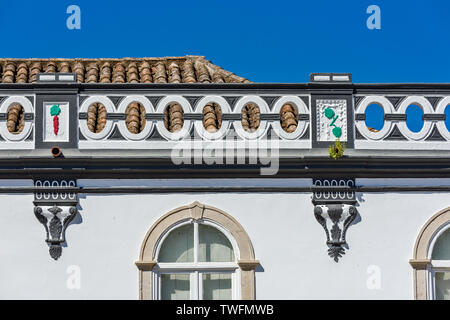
(105, 239)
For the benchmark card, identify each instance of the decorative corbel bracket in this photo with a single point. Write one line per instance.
(55, 210)
(335, 212)
(335, 219)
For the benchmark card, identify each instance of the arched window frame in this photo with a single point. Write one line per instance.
(424, 267)
(245, 262)
(196, 267)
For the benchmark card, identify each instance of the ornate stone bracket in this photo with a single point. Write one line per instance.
(55, 210)
(335, 212)
(55, 220)
(335, 219)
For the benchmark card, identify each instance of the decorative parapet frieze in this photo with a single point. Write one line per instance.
(335, 211)
(299, 118)
(395, 133)
(55, 210)
(154, 109)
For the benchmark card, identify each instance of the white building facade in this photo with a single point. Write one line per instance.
(161, 209)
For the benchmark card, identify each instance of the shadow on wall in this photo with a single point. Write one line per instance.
(77, 220)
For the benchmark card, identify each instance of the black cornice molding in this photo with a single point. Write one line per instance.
(213, 189)
(329, 87)
(149, 168)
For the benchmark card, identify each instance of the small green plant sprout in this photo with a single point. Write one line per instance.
(336, 150)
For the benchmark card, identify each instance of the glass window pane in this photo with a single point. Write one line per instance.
(178, 245)
(175, 287)
(213, 246)
(441, 250)
(442, 282)
(216, 286)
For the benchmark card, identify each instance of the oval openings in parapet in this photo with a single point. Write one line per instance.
(96, 120)
(16, 118)
(414, 118)
(447, 117)
(173, 117)
(212, 117)
(135, 117)
(374, 117)
(289, 117)
(250, 117)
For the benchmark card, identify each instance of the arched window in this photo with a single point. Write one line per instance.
(440, 262)
(196, 261)
(197, 252)
(431, 261)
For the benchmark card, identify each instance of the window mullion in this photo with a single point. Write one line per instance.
(431, 286)
(195, 242)
(193, 291)
(197, 275)
(196, 281)
(200, 286)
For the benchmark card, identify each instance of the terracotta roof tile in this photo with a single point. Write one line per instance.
(64, 67)
(202, 72)
(50, 67)
(250, 117)
(105, 72)
(118, 73)
(188, 72)
(188, 69)
(22, 73)
(212, 117)
(159, 73)
(135, 117)
(34, 68)
(78, 68)
(289, 118)
(91, 73)
(96, 117)
(145, 72)
(8, 72)
(174, 73)
(173, 117)
(132, 73)
(16, 119)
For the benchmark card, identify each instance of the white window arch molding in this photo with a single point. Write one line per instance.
(422, 262)
(189, 221)
(196, 269)
(388, 125)
(243, 248)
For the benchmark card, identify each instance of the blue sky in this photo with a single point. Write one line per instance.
(264, 41)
